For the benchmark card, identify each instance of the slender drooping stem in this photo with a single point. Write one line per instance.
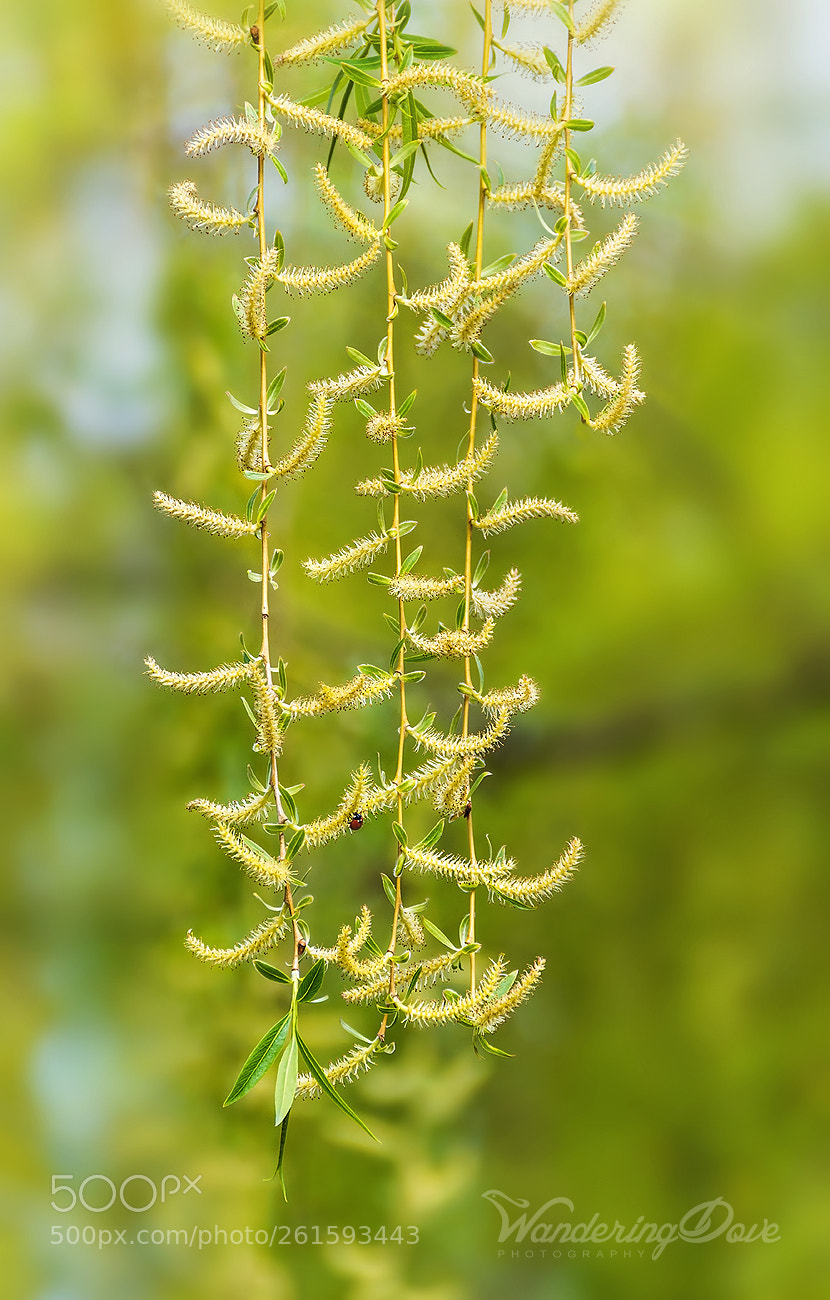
(471, 442)
(265, 574)
(391, 312)
(569, 175)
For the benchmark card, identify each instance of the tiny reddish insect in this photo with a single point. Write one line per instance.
(355, 821)
(255, 34)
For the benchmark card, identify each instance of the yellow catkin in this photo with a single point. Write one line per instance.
(615, 414)
(218, 35)
(312, 119)
(454, 642)
(249, 445)
(357, 556)
(522, 406)
(383, 426)
(534, 7)
(344, 388)
(517, 512)
(470, 90)
(253, 319)
(232, 130)
(497, 602)
(347, 217)
(234, 814)
(334, 38)
(269, 736)
(257, 942)
(200, 517)
(446, 1011)
(516, 699)
(410, 588)
(443, 480)
(488, 1017)
(355, 1062)
(478, 742)
(515, 122)
(311, 441)
(323, 829)
(458, 279)
(200, 215)
(362, 689)
(593, 267)
(528, 58)
(257, 863)
(596, 23)
(325, 279)
(633, 189)
(224, 678)
(531, 890)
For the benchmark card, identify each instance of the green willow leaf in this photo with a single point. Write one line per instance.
(311, 982)
(271, 973)
(260, 1060)
(598, 74)
(287, 1075)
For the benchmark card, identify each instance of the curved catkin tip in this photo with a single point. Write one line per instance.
(200, 215)
(219, 35)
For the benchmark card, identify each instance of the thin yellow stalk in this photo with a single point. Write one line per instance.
(391, 312)
(569, 175)
(265, 585)
(471, 443)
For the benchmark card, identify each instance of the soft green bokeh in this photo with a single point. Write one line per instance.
(674, 1052)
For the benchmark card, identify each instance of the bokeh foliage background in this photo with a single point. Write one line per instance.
(680, 635)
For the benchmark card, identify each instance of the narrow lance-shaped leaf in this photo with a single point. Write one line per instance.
(261, 1059)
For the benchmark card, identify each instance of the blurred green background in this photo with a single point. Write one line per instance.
(675, 1051)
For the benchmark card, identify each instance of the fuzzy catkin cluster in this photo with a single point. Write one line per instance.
(406, 100)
